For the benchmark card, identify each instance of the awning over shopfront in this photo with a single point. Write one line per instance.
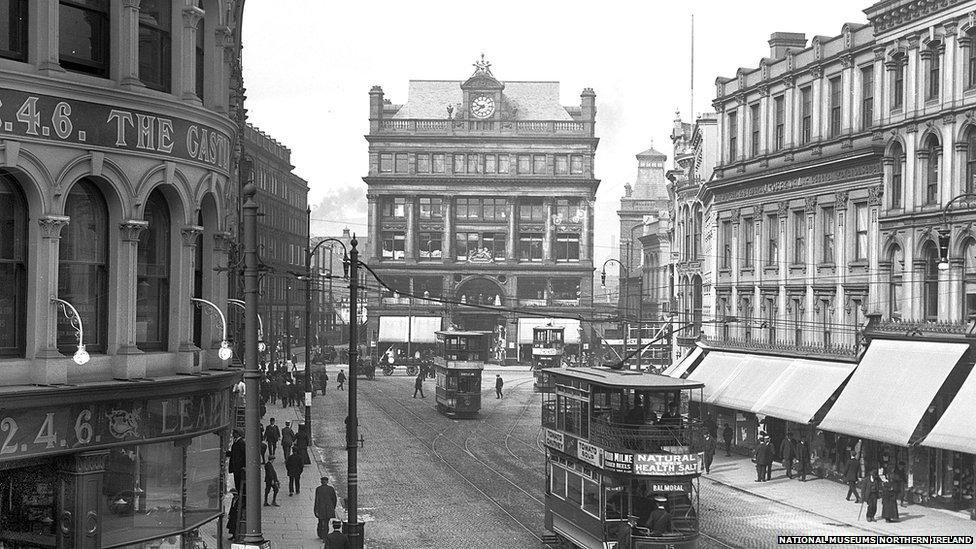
(892, 388)
(415, 329)
(955, 430)
(803, 389)
(755, 375)
(571, 334)
(681, 366)
(716, 370)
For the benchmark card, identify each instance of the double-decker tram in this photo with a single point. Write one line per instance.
(459, 369)
(548, 346)
(622, 449)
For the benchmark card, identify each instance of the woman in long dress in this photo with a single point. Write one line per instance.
(889, 497)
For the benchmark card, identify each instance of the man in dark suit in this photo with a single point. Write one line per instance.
(272, 434)
(325, 504)
(660, 520)
(271, 484)
(786, 452)
(727, 435)
(852, 473)
(802, 460)
(238, 459)
(336, 539)
(770, 455)
(287, 439)
(294, 467)
(760, 454)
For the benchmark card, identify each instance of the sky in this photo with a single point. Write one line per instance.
(309, 65)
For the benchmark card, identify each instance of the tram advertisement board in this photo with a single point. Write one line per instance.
(554, 439)
(589, 453)
(667, 464)
(615, 461)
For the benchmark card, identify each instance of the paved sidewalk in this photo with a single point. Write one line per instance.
(826, 498)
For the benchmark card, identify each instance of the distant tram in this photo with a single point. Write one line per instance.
(548, 346)
(621, 445)
(459, 371)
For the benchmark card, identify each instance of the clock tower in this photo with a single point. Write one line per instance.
(482, 94)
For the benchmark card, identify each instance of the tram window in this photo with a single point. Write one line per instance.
(574, 488)
(618, 502)
(558, 487)
(452, 382)
(591, 497)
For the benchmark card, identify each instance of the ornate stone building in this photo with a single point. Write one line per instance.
(480, 211)
(118, 201)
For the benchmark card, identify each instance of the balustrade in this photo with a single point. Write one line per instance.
(455, 126)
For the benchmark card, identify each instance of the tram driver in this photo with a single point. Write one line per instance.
(659, 522)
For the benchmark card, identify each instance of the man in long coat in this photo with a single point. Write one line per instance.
(237, 461)
(871, 489)
(287, 439)
(786, 452)
(852, 473)
(802, 460)
(709, 450)
(761, 454)
(325, 504)
(727, 435)
(889, 497)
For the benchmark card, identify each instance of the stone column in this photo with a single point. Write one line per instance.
(853, 95)
(128, 363)
(50, 366)
(789, 124)
(46, 15)
(511, 253)
(79, 524)
(547, 236)
(447, 246)
(191, 19)
(129, 45)
(765, 124)
(585, 253)
(373, 250)
(410, 245)
(951, 85)
(909, 174)
(184, 284)
(817, 120)
(223, 55)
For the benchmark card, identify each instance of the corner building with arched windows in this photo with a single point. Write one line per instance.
(118, 196)
(480, 207)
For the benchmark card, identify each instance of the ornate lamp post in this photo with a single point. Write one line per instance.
(640, 306)
(225, 352)
(945, 232)
(261, 345)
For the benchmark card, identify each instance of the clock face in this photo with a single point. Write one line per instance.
(482, 106)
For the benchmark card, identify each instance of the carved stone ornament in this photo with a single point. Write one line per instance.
(784, 208)
(846, 61)
(840, 199)
(736, 214)
(816, 71)
(190, 234)
(222, 242)
(132, 228)
(810, 204)
(192, 16)
(875, 195)
(51, 225)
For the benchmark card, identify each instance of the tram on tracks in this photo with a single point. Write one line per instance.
(622, 449)
(548, 346)
(458, 370)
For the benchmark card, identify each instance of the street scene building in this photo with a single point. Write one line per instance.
(331, 297)
(480, 193)
(118, 201)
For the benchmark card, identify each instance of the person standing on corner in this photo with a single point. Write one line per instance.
(237, 459)
(325, 504)
(727, 435)
(340, 379)
(709, 450)
(786, 452)
(759, 456)
(499, 383)
(802, 460)
(272, 435)
(294, 465)
(418, 385)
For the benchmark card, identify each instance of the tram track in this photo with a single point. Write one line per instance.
(432, 445)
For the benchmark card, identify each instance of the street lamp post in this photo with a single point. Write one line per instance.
(261, 345)
(640, 308)
(288, 322)
(353, 527)
(945, 233)
(225, 352)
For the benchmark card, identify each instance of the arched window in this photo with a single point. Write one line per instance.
(697, 237)
(13, 267)
(930, 282)
(746, 312)
(198, 52)
(83, 267)
(897, 179)
(198, 286)
(152, 289)
(895, 287)
(933, 157)
(970, 182)
(796, 316)
(969, 280)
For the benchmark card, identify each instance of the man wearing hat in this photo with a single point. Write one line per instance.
(238, 459)
(660, 520)
(287, 439)
(336, 539)
(760, 456)
(325, 504)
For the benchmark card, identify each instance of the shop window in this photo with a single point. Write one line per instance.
(203, 493)
(84, 36)
(13, 267)
(394, 244)
(155, 50)
(152, 288)
(431, 246)
(557, 481)
(199, 49)
(468, 208)
(480, 246)
(83, 268)
(13, 29)
(431, 208)
(531, 289)
(566, 289)
(530, 246)
(28, 502)
(429, 286)
(567, 247)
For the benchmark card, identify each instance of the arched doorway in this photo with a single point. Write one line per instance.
(474, 295)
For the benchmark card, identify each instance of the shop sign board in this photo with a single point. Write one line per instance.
(62, 429)
(64, 120)
(589, 453)
(667, 464)
(554, 439)
(671, 487)
(615, 461)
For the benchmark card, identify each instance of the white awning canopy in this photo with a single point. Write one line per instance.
(415, 329)
(570, 335)
(891, 389)
(955, 429)
(803, 389)
(678, 368)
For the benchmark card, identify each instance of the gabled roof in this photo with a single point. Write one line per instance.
(651, 152)
(534, 100)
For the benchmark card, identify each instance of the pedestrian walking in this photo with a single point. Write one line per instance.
(336, 539)
(237, 459)
(287, 439)
(802, 460)
(727, 435)
(418, 386)
(294, 467)
(889, 497)
(324, 380)
(901, 478)
(272, 434)
(770, 455)
(787, 452)
(234, 513)
(871, 489)
(271, 483)
(709, 450)
(301, 444)
(340, 379)
(759, 455)
(852, 473)
(325, 504)
(499, 383)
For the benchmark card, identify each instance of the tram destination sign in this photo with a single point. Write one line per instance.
(554, 439)
(667, 464)
(58, 119)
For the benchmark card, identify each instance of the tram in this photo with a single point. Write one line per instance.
(459, 371)
(548, 346)
(622, 446)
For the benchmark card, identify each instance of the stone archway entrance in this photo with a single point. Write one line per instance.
(483, 292)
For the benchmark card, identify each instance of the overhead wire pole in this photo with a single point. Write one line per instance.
(353, 527)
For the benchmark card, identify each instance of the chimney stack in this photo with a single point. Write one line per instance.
(780, 43)
(375, 108)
